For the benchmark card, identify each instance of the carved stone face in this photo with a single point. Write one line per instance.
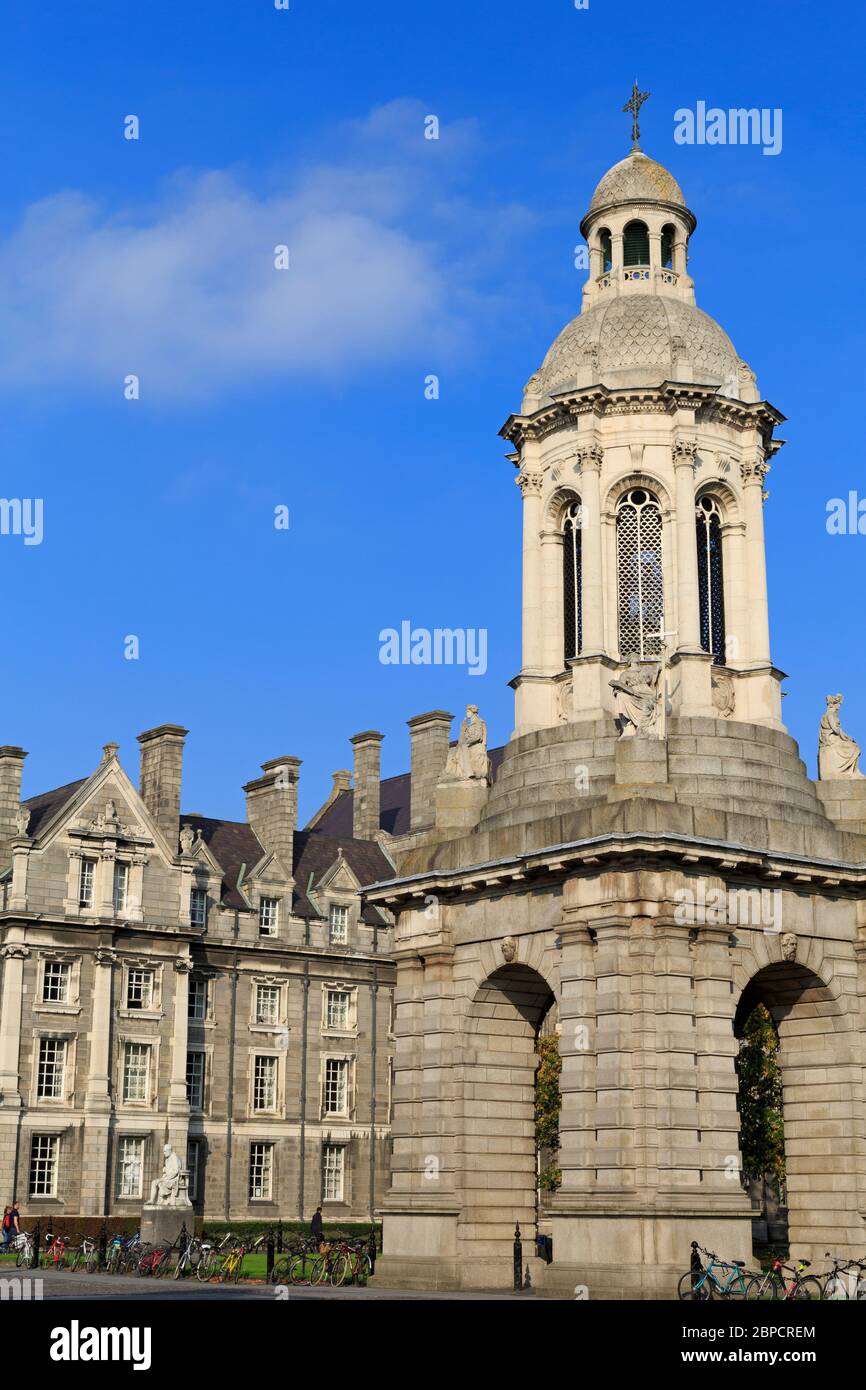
(789, 946)
(509, 949)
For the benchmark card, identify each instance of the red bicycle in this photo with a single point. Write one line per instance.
(56, 1253)
(153, 1262)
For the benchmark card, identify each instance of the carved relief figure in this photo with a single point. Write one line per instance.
(187, 839)
(838, 754)
(637, 699)
(22, 820)
(724, 698)
(789, 946)
(468, 760)
(509, 949)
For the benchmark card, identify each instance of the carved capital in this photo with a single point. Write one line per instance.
(530, 484)
(15, 952)
(685, 452)
(182, 966)
(755, 470)
(106, 956)
(589, 456)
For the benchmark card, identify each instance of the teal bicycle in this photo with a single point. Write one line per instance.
(719, 1279)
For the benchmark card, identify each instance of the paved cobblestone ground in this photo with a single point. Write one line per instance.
(59, 1285)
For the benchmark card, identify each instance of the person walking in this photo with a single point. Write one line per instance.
(317, 1229)
(11, 1225)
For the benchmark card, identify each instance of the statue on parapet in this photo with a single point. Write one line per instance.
(838, 754)
(637, 699)
(467, 760)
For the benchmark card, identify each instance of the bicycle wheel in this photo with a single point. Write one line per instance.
(808, 1289)
(740, 1287)
(91, 1262)
(75, 1259)
(238, 1269)
(364, 1268)
(761, 1288)
(280, 1273)
(694, 1287)
(836, 1288)
(340, 1267)
(23, 1258)
(301, 1269)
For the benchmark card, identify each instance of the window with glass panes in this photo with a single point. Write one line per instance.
(43, 1165)
(193, 1160)
(121, 885)
(86, 878)
(336, 1086)
(268, 911)
(195, 1080)
(55, 982)
(197, 999)
(50, 1068)
(198, 907)
(139, 989)
(337, 1013)
(261, 1170)
(130, 1166)
(136, 1071)
(333, 1163)
(338, 924)
(267, 1003)
(265, 1084)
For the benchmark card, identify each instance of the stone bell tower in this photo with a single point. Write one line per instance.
(642, 448)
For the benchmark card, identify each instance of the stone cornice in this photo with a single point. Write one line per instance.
(664, 399)
(564, 860)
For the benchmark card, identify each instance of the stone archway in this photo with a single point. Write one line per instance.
(821, 1107)
(496, 1148)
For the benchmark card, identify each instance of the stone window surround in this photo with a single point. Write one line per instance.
(343, 1144)
(43, 1131)
(147, 1040)
(343, 987)
(274, 1185)
(332, 1055)
(144, 1136)
(49, 1006)
(209, 977)
(155, 967)
(281, 983)
(37, 1102)
(274, 931)
(279, 1111)
(207, 1077)
(349, 902)
(105, 856)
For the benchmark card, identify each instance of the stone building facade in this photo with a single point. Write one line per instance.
(169, 978)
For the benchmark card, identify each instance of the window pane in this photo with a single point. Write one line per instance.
(43, 1165)
(265, 1084)
(332, 1173)
(197, 1006)
(139, 989)
(136, 1069)
(336, 1074)
(261, 1164)
(55, 982)
(130, 1165)
(195, 1080)
(52, 1061)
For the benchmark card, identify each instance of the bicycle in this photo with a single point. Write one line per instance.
(153, 1260)
(24, 1247)
(56, 1252)
(188, 1258)
(845, 1279)
(701, 1284)
(84, 1254)
(122, 1253)
(801, 1287)
(351, 1264)
(215, 1259)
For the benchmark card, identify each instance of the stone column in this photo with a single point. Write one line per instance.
(530, 485)
(753, 473)
(688, 612)
(178, 1105)
(553, 647)
(96, 1180)
(616, 252)
(14, 953)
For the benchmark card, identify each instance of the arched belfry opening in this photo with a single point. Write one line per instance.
(797, 1135)
(500, 1152)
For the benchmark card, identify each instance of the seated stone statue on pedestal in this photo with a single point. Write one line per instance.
(169, 1206)
(463, 786)
(165, 1191)
(838, 754)
(636, 693)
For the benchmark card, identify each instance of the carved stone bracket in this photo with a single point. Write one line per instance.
(15, 952)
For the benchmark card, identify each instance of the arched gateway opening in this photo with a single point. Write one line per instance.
(820, 1111)
(499, 1159)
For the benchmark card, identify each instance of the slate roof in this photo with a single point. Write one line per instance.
(393, 804)
(42, 807)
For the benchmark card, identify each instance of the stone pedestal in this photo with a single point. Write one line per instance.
(641, 762)
(162, 1224)
(459, 804)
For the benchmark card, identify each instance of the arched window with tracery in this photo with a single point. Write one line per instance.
(640, 580)
(711, 579)
(571, 578)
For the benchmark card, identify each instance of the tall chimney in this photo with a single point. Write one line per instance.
(272, 807)
(160, 776)
(11, 765)
(365, 798)
(430, 736)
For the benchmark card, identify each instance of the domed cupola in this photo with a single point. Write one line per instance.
(639, 324)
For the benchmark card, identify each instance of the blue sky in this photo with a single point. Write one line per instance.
(454, 257)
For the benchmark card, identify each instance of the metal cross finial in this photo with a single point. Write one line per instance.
(634, 105)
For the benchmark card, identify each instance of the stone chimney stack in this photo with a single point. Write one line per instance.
(365, 799)
(430, 735)
(160, 777)
(11, 766)
(272, 807)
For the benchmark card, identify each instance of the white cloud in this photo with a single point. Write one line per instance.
(184, 293)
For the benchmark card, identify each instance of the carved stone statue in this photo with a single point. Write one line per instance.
(637, 699)
(509, 949)
(165, 1191)
(22, 820)
(110, 810)
(789, 946)
(838, 754)
(187, 839)
(467, 760)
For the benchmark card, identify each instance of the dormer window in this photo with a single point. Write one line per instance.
(635, 244)
(338, 924)
(268, 916)
(198, 907)
(86, 878)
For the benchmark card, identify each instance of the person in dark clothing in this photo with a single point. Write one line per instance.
(317, 1229)
(11, 1225)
